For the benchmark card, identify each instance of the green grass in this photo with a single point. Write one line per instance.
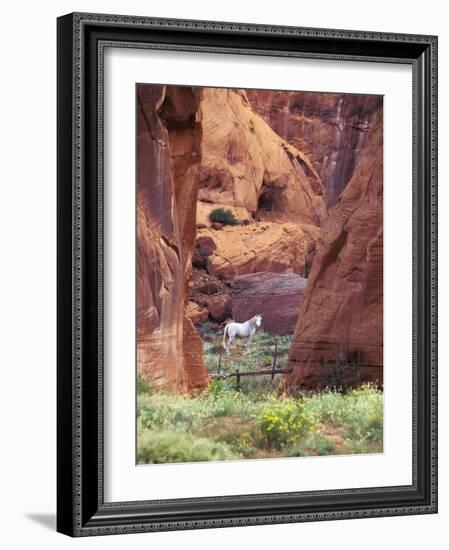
(172, 446)
(358, 412)
(187, 413)
(222, 424)
(257, 356)
(317, 444)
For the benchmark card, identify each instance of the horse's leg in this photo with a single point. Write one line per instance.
(231, 337)
(248, 342)
(230, 340)
(250, 337)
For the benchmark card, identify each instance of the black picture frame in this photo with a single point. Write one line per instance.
(81, 510)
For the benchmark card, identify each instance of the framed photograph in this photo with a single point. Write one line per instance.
(247, 281)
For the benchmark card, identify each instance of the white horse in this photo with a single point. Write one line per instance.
(241, 330)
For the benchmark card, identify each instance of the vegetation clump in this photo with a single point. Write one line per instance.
(359, 412)
(223, 424)
(173, 446)
(224, 216)
(285, 422)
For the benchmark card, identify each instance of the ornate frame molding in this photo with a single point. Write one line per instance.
(82, 512)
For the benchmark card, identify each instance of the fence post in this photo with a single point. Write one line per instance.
(273, 369)
(219, 363)
(340, 360)
(358, 368)
(237, 380)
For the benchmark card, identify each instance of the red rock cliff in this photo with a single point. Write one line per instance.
(267, 183)
(169, 351)
(249, 168)
(331, 129)
(341, 314)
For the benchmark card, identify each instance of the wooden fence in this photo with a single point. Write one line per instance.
(347, 372)
(237, 374)
(344, 370)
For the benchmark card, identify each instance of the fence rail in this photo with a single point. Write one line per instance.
(238, 375)
(337, 368)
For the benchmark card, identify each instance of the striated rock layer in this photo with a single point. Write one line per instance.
(342, 311)
(330, 129)
(276, 296)
(169, 351)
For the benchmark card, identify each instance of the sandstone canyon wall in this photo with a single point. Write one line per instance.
(250, 169)
(272, 189)
(342, 309)
(169, 351)
(302, 173)
(330, 129)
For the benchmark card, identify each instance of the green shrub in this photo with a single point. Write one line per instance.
(285, 422)
(364, 419)
(165, 410)
(175, 446)
(224, 216)
(228, 402)
(359, 412)
(328, 406)
(217, 388)
(316, 445)
(243, 444)
(188, 413)
(142, 386)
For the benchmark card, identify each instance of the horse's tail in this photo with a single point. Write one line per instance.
(224, 335)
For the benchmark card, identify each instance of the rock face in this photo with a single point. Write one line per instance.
(276, 296)
(210, 298)
(197, 313)
(271, 187)
(219, 306)
(330, 129)
(248, 168)
(204, 247)
(342, 311)
(169, 351)
(275, 247)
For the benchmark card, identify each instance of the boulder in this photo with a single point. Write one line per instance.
(199, 260)
(210, 296)
(202, 283)
(267, 246)
(196, 313)
(204, 247)
(218, 305)
(342, 311)
(276, 296)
